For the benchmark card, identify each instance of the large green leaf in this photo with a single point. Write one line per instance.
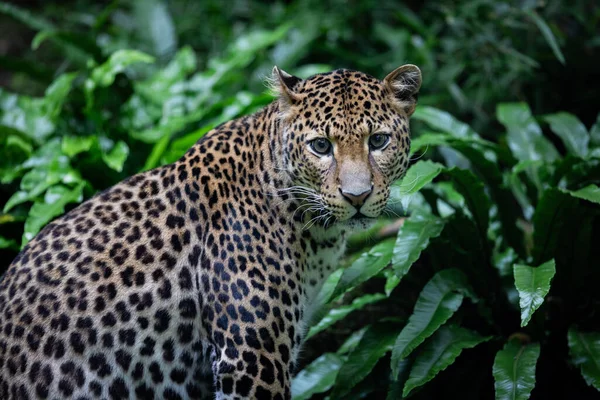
(438, 301)
(444, 122)
(514, 370)
(317, 377)
(42, 212)
(367, 265)
(571, 131)
(533, 284)
(585, 353)
(412, 239)
(473, 191)
(439, 352)
(376, 341)
(551, 214)
(339, 313)
(589, 193)
(419, 175)
(525, 137)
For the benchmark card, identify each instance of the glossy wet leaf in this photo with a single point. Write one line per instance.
(444, 121)
(317, 377)
(377, 340)
(437, 302)
(336, 314)
(514, 370)
(412, 239)
(524, 135)
(419, 175)
(440, 351)
(584, 348)
(365, 267)
(53, 205)
(533, 284)
(571, 131)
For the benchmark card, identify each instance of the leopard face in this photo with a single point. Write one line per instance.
(345, 140)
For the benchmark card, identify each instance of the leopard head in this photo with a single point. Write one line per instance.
(345, 139)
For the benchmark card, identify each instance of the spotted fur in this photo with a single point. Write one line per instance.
(195, 279)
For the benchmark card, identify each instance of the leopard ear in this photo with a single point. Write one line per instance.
(404, 83)
(282, 85)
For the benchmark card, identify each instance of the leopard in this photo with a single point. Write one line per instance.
(196, 279)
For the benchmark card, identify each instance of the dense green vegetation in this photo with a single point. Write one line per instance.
(489, 289)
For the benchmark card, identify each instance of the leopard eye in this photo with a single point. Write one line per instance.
(378, 141)
(321, 146)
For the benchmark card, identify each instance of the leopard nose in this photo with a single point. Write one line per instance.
(356, 199)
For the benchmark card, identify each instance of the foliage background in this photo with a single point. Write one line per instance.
(94, 91)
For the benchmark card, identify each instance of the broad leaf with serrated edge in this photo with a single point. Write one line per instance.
(533, 284)
(438, 301)
(439, 352)
(585, 353)
(514, 370)
(412, 239)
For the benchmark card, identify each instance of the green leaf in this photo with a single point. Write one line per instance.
(439, 352)
(24, 16)
(533, 284)
(514, 370)
(589, 193)
(57, 93)
(83, 46)
(116, 157)
(595, 132)
(473, 191)
(8, 244)
(412, 239)
(340, 313)
(73, 145)
(104, 74)
(444, 121)
(367, 265)
(552, 212)
(524, 135)
(376, 341)
(548, 35)
(317, 377)
(352, 341)
(571, 131)
(155, 25)
(585, 354)
(438, 301)
(42, 212)
(419, 175)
